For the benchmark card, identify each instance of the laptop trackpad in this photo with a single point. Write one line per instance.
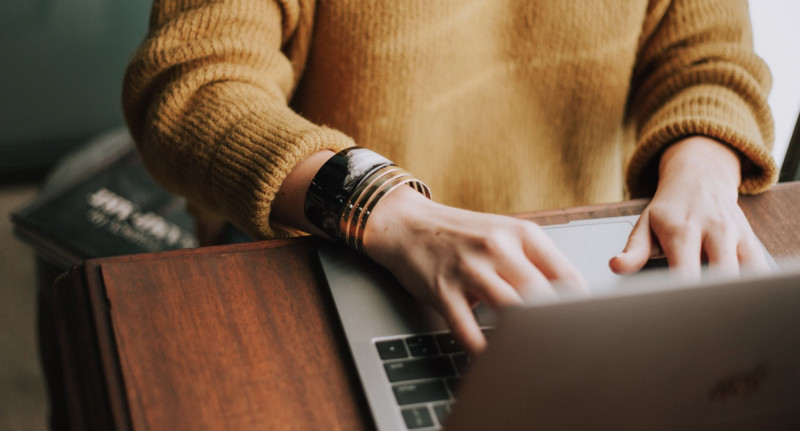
(589, 245)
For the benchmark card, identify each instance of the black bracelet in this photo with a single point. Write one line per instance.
(335, 182)
(347, 187)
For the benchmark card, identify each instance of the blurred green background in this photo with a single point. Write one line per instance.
(61, 68)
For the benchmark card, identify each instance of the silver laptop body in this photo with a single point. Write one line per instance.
(373, 307)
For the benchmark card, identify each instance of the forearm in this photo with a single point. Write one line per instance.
(205, 98)
(288, 206)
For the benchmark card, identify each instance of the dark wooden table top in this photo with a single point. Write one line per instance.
(244, 336)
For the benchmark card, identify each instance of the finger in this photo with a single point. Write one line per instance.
(720, 248)
(638, 250)
(458, 315)
(523, 276)
(539, 293)
(751, 254)
(493, 290)
(682, 248)
(551, 262)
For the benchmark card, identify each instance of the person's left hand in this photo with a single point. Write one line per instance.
(694, 215)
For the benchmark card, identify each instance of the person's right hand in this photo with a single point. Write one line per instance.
(447, 257)
(452, 258)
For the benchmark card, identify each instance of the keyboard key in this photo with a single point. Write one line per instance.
(392, 349)
(659, 263)
(453, 384)
(441, 411)
(448, 344)
(415, 393)
(417, 417)
(422, 345)
(462, 362)
(425, 368)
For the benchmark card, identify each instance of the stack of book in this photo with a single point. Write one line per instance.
(100, 201)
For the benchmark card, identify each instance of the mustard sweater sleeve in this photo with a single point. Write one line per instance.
(205, 98)
(697, 74)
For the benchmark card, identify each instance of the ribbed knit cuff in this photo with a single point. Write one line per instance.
(710, 111)
(255, 158)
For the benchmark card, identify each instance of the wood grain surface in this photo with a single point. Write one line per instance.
(236, 339)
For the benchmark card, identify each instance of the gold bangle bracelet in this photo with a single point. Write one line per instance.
(375, 184)
(344, 192)
(413, 182)
(351, 206)
(358, 209)
(368, 201)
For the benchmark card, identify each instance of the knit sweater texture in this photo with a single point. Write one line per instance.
(500, 106)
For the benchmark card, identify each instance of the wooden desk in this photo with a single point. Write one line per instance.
(243, 337)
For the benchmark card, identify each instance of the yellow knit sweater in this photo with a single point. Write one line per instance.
(500, 106)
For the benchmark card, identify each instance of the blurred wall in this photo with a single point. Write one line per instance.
(776, 34)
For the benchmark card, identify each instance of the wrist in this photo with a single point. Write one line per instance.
(701, 157)
(287, 208)
(345, 191)
(396, 217)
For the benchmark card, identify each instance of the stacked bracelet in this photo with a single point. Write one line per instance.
(346, 189)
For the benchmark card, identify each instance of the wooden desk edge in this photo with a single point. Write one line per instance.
(92, 376)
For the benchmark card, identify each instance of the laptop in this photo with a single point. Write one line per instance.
(642, 352)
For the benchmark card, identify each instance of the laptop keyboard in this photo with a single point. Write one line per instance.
(424, 371)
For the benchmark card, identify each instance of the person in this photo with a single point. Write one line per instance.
(251, 108)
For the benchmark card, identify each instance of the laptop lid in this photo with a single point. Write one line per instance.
(723, 355)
